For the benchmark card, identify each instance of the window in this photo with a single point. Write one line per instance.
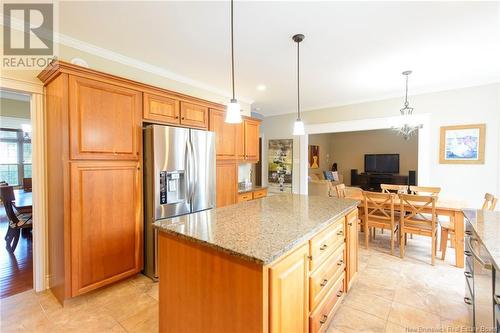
(15, 156)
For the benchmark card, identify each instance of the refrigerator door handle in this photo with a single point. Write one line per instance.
(188, 171)
(193, 175)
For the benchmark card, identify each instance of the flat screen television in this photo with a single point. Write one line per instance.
(382, 163)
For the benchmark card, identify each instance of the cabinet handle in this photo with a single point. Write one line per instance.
(176, 117)
(323, 319)
(468, 253)
(467, 300)
(323, 283)
(340, 233)
(339, 293)
(309, 257)
(340, 262)
(468, 232)
(350, 224)
(468, 274)
(182, 118)
(323, 247)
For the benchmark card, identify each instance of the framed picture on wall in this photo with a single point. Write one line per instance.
(313, 156)
(462, 144)
(280, 164)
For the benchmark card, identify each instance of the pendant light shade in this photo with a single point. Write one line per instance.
(298, 126)
(233, 112)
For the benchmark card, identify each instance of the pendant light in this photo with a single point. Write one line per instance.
(408, 124)
(298, 126)
(233, 112)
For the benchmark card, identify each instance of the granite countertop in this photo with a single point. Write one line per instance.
(251, 189)
(486, 224)
(259, 230)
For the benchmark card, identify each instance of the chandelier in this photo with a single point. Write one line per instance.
(408, 124)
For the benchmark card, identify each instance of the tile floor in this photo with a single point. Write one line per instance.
(390, 295)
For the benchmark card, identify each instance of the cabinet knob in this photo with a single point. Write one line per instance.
(182, 118)
(176, 117)
(309, 257)
(350, 224)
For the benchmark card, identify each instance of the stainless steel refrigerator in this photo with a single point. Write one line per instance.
(179, 178)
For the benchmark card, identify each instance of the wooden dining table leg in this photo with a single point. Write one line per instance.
(459, 239)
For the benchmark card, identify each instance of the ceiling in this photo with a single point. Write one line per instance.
(352, 52)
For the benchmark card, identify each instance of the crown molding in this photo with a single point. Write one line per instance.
(101, 52)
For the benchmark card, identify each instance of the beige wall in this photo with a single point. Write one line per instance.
(349, 149)
(471, 105)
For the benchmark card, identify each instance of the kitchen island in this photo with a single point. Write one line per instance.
(279, 264)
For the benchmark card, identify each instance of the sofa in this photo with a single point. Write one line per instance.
(318, 185)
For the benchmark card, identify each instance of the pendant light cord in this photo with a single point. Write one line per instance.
(232, 48)
(298, 82)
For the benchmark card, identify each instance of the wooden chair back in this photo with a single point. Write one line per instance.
(27, 184)
(7, 195)
(490, 202)
(392, 188)
(341, 191)
(425, 190)
(379, 206)
(413, 207)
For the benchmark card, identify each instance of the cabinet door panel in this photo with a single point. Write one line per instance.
(224, 135)
(251, 140)
(105, 120)
(227, 178)
(289, 293)
(161, 108)
(240, 141)
(352, 247)
(193, 115)
(106, 223)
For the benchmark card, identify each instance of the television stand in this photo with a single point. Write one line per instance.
(372, 181)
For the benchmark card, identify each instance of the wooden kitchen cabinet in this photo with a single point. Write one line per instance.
(105, 120)
(239, 141)
(352, 247)
(161, 108)
(289, 293)
(251, 139)
(194, 115)
(226, 184)
(106, 224)
(224, 135)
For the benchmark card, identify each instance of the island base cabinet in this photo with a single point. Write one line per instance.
(289, 293)
(352, 248)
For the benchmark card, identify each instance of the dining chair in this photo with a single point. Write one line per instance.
(27, 184)
(448, 227)
(490, 202)
(413, 220)
(16, 221)
(377, 215)
(392, 188)
(424, 190)
(340, 190)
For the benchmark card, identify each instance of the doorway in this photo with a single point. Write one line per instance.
(16, 254)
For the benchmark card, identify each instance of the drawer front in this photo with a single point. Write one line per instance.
(325, 276)
(326, 242)
(245, 197)
(321, 317)
(260, 193)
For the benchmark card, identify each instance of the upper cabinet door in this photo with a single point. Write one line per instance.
(240, 141)
(161, 108)
(251, 140)
(224, 135)
(193, 115)
(105, 120)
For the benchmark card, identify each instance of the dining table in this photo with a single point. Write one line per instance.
(449, 208)
(23, 202)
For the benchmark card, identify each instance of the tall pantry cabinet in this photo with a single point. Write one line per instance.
(94, 179)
